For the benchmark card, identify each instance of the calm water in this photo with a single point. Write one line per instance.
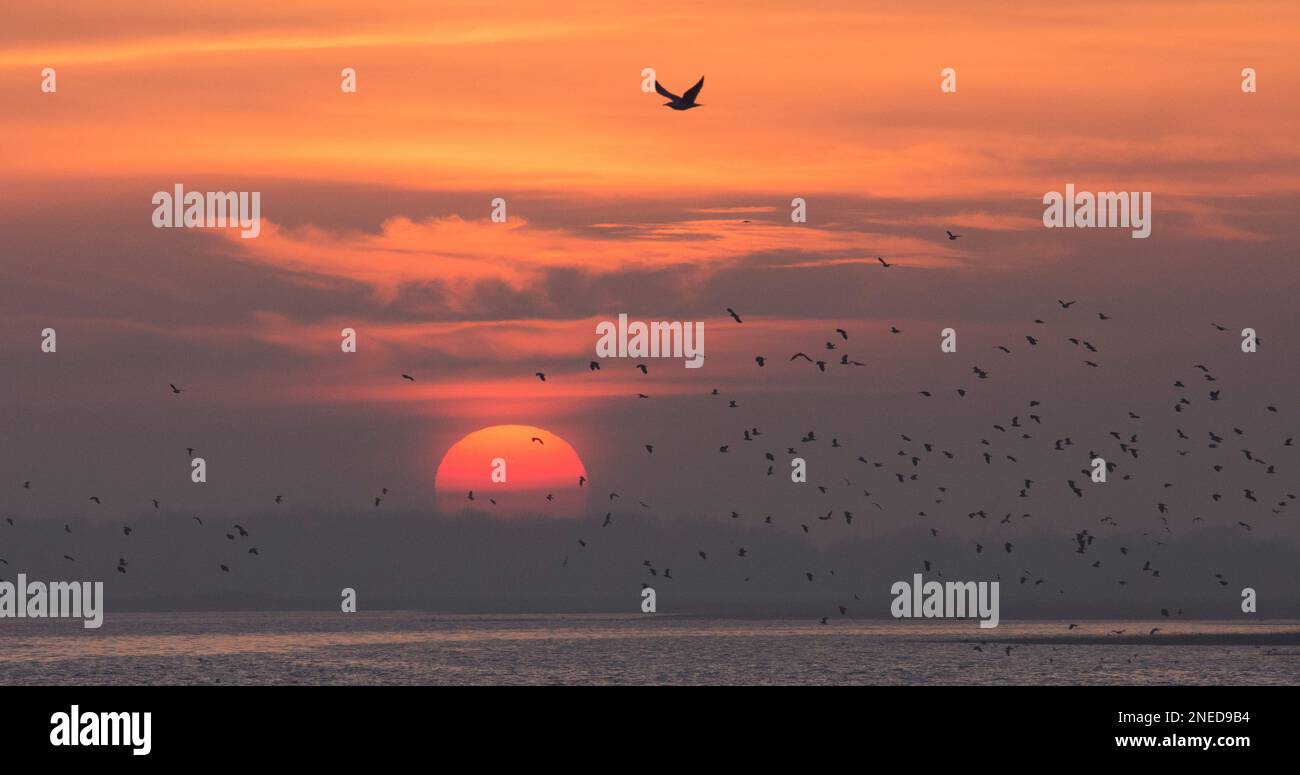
(424, 648)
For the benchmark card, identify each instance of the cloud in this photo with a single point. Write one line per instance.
(461, 254)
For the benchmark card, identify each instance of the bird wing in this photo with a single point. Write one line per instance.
(694, 91)
(666, 93)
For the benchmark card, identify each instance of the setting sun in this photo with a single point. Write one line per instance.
(512, 470)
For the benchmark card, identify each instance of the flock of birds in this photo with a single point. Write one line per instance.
(235, 533)
(917, 464)
(1026, 433)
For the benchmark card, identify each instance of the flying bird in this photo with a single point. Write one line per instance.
(684, 102)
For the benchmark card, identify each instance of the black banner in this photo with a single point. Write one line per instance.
(217, 725)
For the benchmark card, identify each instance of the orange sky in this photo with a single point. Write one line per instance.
(375, 211)
(822, 97)
(835, 102)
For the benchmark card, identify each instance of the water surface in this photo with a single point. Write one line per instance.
(406, 647)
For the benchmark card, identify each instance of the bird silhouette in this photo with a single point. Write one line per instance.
(686, 101)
